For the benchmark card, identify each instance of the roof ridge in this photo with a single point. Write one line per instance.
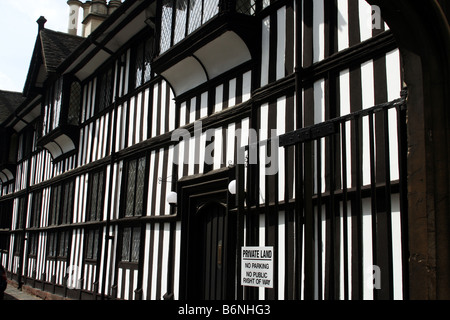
(9, 91)
(63, 33)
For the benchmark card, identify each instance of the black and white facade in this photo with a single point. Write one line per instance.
(299, 103)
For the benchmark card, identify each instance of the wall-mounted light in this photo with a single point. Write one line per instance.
(172, 198)
(232, 187)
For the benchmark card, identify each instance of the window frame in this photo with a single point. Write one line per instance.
(92, 252)
(133, 254)
(21, 212)
(105, 88)
(126, 182)
(33, 241)
(98, 215)
(57, 241)
(18, 244)
(145, 47)
(36, 209)
(58, 214)
(173, 17)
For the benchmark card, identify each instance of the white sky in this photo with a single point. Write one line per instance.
(18, 31)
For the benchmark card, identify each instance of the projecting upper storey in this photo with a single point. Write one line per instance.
(201, 39)
(187, 42)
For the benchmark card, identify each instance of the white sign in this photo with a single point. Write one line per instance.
(257, 267)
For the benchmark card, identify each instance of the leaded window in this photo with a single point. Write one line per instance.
(18, 241)
(105, 89)
(33, 244)
(63, 246)
(93, 237)
(134, 201)
(96, 194)
(55, 208)
(52, 108)
(21, 212)
(67, 205)
(52, 244)
(182, 17)
(36, 209)
(58, 244)
(62, 204)
(131, 239)
(61, 105)
(73, 116)
(143, 54)
(249, 7)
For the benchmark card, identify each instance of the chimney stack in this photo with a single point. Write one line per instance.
(94, 13)
(74, 15)
(113, 5)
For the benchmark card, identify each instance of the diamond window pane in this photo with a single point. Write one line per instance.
(68, 203)
(139, 64)
(246, 6)
(140, 187)
(56, 205)
(89, 253)
(180, 21)
(211, 8)
(131, 185)
(195, 15)
(147, 60)
(166, 25)
(136, 245)
(63, 244)
(126, 244)
(95, 248)
(51, 245)
(99, 200)
(74, 104)
(93, 196)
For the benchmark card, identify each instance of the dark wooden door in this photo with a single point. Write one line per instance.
(211, 249)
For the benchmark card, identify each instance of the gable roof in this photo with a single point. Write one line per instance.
(50, 50)
(56, 47)
(9, 102)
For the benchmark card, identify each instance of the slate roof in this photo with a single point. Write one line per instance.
(9, 102)
(57, 46)
(50, 50)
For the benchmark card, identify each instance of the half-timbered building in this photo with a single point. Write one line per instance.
(158, 138)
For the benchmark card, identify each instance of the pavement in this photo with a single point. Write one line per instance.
(12, 293)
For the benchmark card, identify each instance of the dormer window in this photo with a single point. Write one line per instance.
(52, 108)
(143, 54)
(62, 107)
(61, 116)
